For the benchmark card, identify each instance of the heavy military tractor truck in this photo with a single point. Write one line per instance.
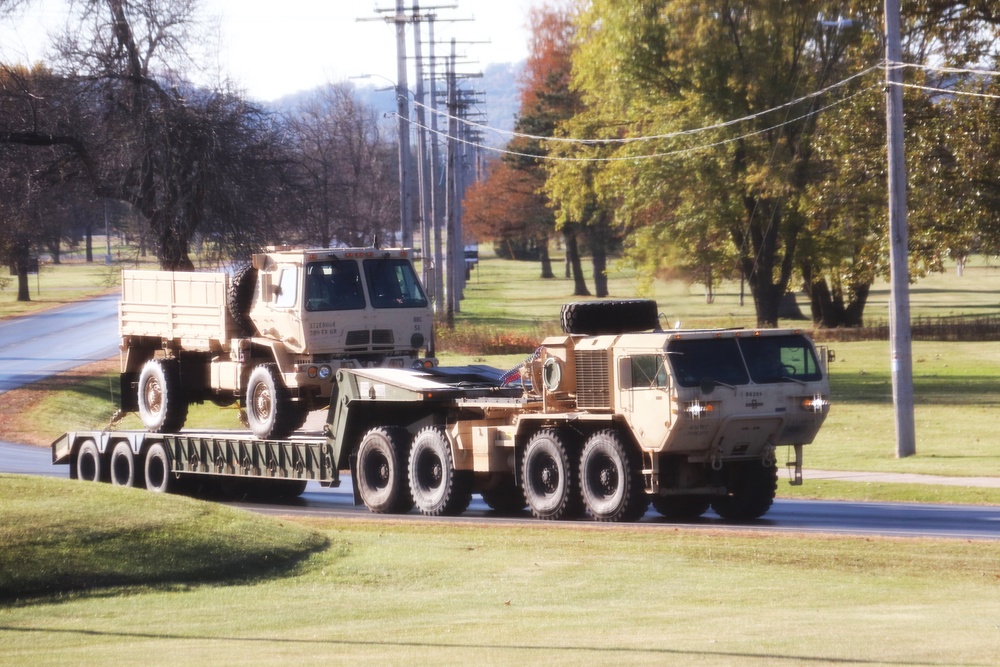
(270, 337)
(603, 420)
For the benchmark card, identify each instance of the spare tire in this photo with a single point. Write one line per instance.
(240, 298)
(594, 318)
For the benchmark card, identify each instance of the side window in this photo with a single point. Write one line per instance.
(648, 371)
(286, 290)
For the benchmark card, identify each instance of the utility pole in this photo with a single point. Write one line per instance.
(436, 209)
(451, 196)
(423, 181)
(899, 318)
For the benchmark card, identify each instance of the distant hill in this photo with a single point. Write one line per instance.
(498, 87)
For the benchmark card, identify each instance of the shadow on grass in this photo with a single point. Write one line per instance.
(547, 648)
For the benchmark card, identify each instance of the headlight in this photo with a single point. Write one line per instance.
(325, 372)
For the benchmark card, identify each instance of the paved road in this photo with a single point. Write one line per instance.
(57, 340)
(852, 518)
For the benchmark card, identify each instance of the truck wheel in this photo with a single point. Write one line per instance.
(89, 466)
(159, 477)
(381, 471)
(270, 410)
(611, 479)
(162, 404)
(437, 487)
(751, 492)
(123, 465)
(594, 318)
(549, 477)
(681, 507)
(240, 298)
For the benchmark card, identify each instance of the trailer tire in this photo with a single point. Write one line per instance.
(438, 488)
(381, 471)
(123, 468)
(162, 404)
(240, 298)
(270, 410)
(159, 476)
(89, 466)
(549, 477)
(752, 487)
(681, 508)
(611, 479)
(595, 318)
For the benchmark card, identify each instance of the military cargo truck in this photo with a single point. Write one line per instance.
(269, 337)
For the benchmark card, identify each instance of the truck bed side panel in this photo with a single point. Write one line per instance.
(177, 306)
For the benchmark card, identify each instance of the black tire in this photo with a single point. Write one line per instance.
(159, 477)
(123, 468)
(438, 489)
(381, 471)
(752, 487)
(89, 466)
(163, 405)
(549, 477)
(504, 496)
(595, 318)
(681, 508)
(611, 479)
(240, 298)
(271, 413)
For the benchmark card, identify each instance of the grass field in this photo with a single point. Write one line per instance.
(420, 592)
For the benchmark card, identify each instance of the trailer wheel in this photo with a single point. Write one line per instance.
(437, 487)
(123, 471)
(681, 507)
(381, 471)
(89, 466)
(594, 318)
(549, 477)
(240, 298)
(270, 410)
(751, 492)
(611, 479)
(159, 477)
(163, 406)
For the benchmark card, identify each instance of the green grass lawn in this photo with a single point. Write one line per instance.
(421, 592)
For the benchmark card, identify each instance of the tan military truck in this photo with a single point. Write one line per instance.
(270, 336)
(599, 422)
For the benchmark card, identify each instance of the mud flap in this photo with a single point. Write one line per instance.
(353, 460)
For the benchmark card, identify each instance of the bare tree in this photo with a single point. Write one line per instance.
(344, 169)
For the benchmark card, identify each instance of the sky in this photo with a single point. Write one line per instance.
(270, 54)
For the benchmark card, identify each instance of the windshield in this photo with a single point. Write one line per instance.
(333, 285)
(392, 283)
(738, 361)
(694, 360)
(780, 358)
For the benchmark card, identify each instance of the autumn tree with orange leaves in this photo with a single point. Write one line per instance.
(510, 205)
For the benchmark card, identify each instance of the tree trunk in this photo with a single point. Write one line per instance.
(89, 236)
(546, 260)
(828, 306)
(599, 258)
(573, 260)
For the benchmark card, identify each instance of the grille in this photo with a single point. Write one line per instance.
(382, 338)
(358, 338)
(592, 387)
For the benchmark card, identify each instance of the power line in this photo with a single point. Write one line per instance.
(681, 151)
(672, 135)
